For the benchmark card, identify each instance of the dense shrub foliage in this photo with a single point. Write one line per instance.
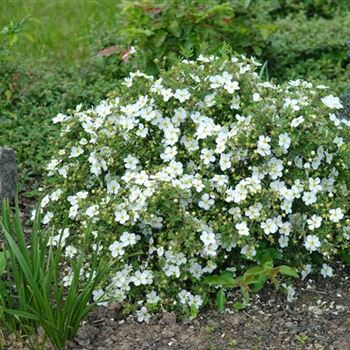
(297, 39)
(313, 48)
(201, 170)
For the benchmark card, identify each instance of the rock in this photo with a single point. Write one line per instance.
(8, 173)
(85, 334)
(169, 318)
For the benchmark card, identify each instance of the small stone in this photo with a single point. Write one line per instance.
(169, 318)
(212, 323)
(8, 173)
(168, 333)
(86, 333)
(292, 326)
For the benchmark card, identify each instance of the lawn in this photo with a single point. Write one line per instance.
(58, 30)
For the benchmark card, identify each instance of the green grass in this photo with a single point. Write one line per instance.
(63, 30)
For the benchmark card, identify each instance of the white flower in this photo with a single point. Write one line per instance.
(142, 278)
(332, 102)
(73, 211)
(60, 118)
(60, 238)
(97, 296)
(207, 156)
(169, 154)
(297, 121)
(92, 211)
(256, 97)
(113, 186)
(208, 238)
(335, 215)
(182, 95)
(128, 239)
(167, 94)
(269, 226)
(314, 185)
(55, 196)
(152, 298)
(264, 148)
(121, 216)
(231, 86)
(253, 212)
(242, 228)
(47, 218)
(143, 315)
(116, 249)
(339, 141)
(275, 167)
(71, 251)
(225, 161)
(290, 292)
(283, 241)
(312, 243)
(314, 222)
(76, 152)
(284, 141)
(326, 271)
(131, 162)
(309, 198)
(216, 81)
(306, 271)
(206, 202)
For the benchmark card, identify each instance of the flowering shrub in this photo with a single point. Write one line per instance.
(206, 169)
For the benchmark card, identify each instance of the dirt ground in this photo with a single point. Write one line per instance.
(318, 319)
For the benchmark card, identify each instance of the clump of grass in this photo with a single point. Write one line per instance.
(32, 295)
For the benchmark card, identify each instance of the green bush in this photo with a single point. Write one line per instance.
(206, 169)
(163, 28)
(313, 48)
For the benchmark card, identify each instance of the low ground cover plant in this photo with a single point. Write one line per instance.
(203, 170)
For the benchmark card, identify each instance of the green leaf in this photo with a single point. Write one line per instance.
(222, 280)
(159, 38)
(174, 28)
(245, 295)
(259, 283)
(3, 262)
(255, 270)
(288, 271)
(268, 265)
(266, 29)
(345, 257)
(194, 311)
(239, 306)
(221, 300)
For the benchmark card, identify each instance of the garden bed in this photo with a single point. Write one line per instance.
(318, 319)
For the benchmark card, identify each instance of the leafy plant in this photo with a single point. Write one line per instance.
(205, 167)
(252, 280)
(32, 294)
(163, 29)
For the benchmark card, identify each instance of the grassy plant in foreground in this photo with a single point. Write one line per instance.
(32, 294)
